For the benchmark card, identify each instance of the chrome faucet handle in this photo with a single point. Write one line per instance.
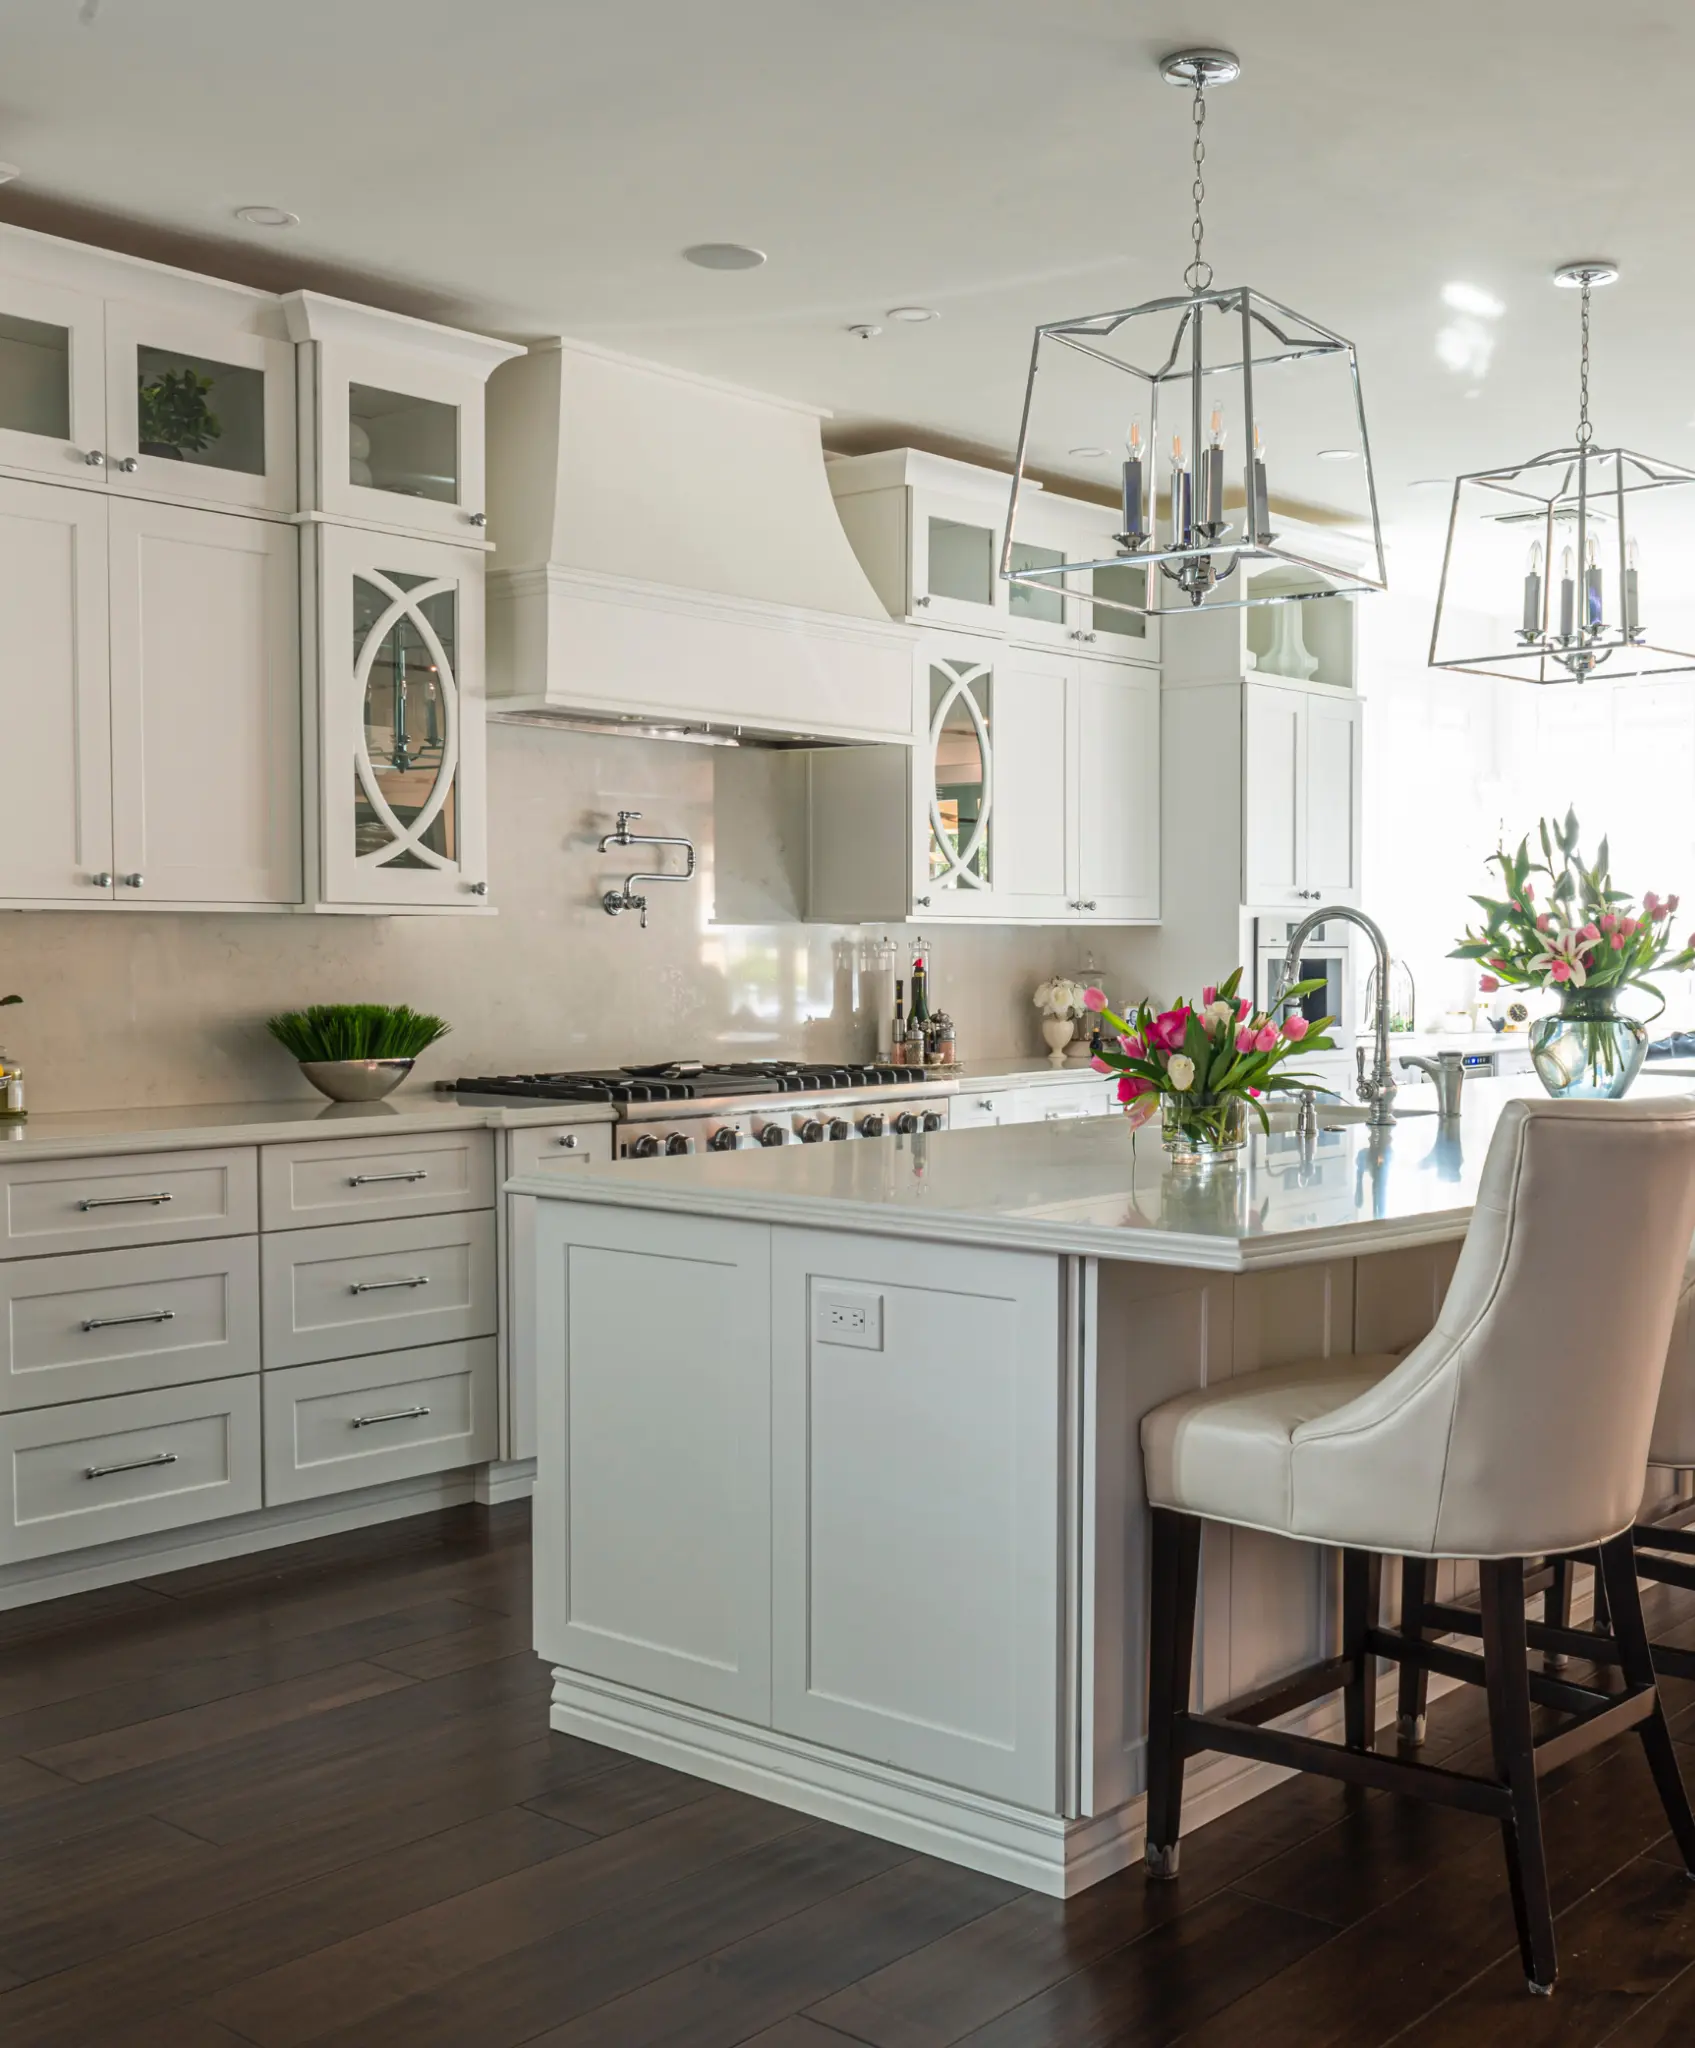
(1306, 1116)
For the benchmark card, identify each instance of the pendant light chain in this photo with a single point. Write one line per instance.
(1585, 431)
(1198, 276)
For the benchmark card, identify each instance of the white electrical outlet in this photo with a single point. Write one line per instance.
(848, 1315)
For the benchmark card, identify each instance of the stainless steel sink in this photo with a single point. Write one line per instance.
(1334, 1116)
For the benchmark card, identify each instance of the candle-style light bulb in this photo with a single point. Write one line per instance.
(1591, 584)
(1568, 593)
(1182, 501)
(1259, 521)
(1132, 506)
(1214, 495)
(1533, 592)
(1632, 616)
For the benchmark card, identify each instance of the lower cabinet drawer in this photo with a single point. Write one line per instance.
(360, 1421)
(91, 1324)
(361, 1287)
(547, 1145)
(100, 1471)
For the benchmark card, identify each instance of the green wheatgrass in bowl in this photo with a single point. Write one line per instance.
(356, 1031)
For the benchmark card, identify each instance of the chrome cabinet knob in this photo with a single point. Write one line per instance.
(676, 1145)
(812, 1132)
(479, 888)
(134, 881)
(872, 1126)
(773, 1134)
(479, 519)
(569, 1141)
(645, 1148)
(128, 464)
(923, 902)
(1089, 905)
(95, 458)
(725, 1140)
(918, 603)
(102, 880)
(985, 1102)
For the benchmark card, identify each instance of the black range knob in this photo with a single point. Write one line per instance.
(773, 1134)
(840, 1128)
(812, 1132)
(645, 1148)
(677, 1144)
(932, 1120)
(725, 1139)
(907, 1122)
(872, 1126)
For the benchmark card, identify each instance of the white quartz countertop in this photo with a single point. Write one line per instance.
(1094, 1187)
(1017, 1071)
(70, 1134)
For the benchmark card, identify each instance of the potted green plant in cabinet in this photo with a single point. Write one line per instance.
(174, 414)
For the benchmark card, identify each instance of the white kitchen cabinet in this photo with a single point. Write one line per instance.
(205, 707)
(150, 686)
(396, 630)
(55, 706)
(1034, 797)
(915, 1508)
(52, 379)
(929, 533)
(392, 417)
(1300, 796)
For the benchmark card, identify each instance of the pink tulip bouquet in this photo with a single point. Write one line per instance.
(1204, 1065)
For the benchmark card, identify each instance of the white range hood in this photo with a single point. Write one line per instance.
(668, 555)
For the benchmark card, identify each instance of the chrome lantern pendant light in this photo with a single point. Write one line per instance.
(1208, 394)
(1546, 574)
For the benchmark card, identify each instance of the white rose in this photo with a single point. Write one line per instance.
(1180, 1071)
(1044, 995)
(1217, 1015)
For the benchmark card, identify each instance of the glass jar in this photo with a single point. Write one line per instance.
(1203, 1130)
(12, 1108)
(1587, 1048)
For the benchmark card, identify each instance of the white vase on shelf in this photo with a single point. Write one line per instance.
(1287, 655)
(1057, 1032)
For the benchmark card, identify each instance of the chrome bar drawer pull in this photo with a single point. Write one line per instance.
(150, 1315)
(370, 1180)
(377, 1286)
(393, 1415)
(121, 1201)
(130, 1465)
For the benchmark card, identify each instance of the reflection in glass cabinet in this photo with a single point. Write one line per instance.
(35, 377)
(399, 442)
(962, 562)
(1034, 600)
(962, 780)
(407, 765)
(192, 409)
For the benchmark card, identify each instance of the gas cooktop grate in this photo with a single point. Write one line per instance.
(689, 1080)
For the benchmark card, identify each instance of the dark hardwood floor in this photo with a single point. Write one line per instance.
(312, 1798)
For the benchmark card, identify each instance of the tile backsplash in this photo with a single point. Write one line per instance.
(144, 1008)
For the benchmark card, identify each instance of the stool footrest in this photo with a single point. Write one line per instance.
(1665, 1571)
(1562, 1694)
(1600, 1724)
(1199, 1732)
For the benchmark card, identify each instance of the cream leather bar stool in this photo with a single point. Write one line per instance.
(1517, 1430)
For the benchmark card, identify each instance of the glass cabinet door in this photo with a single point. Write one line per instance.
(52, 382)
(955, 561)
(400, 442)
(961, 792)
(198, 412)
(403, 723)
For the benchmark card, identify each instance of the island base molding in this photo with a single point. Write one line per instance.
(1045, 1852)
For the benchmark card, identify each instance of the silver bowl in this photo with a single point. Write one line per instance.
(356, 1080)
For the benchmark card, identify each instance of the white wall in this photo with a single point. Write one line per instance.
(161, 1008)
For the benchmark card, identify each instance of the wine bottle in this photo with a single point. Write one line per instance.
(897, 1041)
(920, 993)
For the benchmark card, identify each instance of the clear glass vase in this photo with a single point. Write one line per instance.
(1200, 1130)
(1588, 1048)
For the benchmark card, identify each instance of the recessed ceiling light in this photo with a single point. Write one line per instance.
(8, 172)
(1338, 455)
(267, 216)
(913, 316)
(1090, 453)
(724, 256)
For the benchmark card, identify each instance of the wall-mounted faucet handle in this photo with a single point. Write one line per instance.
(625, 819)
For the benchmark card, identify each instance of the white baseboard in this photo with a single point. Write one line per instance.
(510, 1479)
(145, 1557)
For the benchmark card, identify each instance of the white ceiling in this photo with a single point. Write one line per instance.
(536, 166)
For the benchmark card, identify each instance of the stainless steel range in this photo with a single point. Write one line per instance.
(687, 1106)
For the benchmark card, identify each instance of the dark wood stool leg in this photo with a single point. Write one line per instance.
(1362, 1602)
(1175, 1558)
(1601, 1620)
(1507, 1679)
(1624, 1604)
(1556, 1608)
(1418, 1578)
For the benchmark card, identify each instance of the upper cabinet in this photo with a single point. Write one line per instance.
(1315, 642)
(1300, 796)
(929, 533)
(185, 393)
(392, 418)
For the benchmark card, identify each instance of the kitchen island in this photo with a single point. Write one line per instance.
(839, 1493)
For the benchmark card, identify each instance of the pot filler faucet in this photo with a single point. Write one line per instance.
(616, 900)
(1377, 1088)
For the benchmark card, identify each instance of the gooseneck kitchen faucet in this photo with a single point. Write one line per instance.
(1377, 1088)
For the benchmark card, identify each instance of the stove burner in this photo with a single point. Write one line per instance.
(689, 1080)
